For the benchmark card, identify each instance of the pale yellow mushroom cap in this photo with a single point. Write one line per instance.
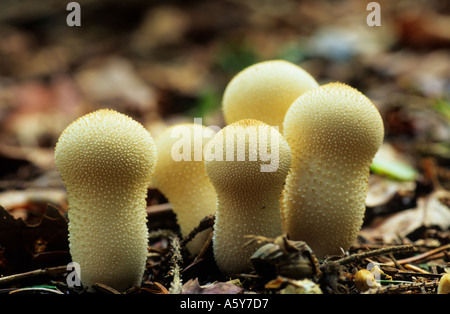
(181, 176)
(334, 132)
(444, 284)
(106, 160)
(247, 165)
(364, 280)
(264, 91)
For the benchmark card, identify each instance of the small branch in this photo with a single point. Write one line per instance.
(36, 289)
(396, 263)
(427, 285)
(383, 251)
(176, 285)
(420, 256)
(204, 224)
(34, 273)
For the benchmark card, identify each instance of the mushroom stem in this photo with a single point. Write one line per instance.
(231, 228)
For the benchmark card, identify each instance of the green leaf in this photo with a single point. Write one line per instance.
(393, 169)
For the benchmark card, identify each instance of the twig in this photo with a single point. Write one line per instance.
(176, 284)
(388, 250)
(36, 289)
(403, 287)
(419, 257)
(105, 288)
(415, 268)
(34, 273)
(204, 224)
(419, 274)
(397, 264)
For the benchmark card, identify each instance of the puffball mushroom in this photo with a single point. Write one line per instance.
(181, 176)
(106, 159)
(248, 188)
(264, 91)
(444, 284)
(334, 132)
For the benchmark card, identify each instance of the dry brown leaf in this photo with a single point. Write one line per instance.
(193, 287)
(382, 190)
(430, 212)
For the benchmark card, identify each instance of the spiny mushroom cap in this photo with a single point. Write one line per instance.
(264, 91)
(185, 182)
(334, 132)
(248, 198)
(105, 148)
(336, 119)
(236, 157)
(105, 160)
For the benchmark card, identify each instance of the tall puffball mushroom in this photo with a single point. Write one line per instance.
(264, 91)
(247, 163)
(334, 132)
(106, 159)
(181, 176)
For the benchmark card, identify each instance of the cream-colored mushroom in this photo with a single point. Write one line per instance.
(264, 91)
(364, 280)
(247, 163)
(334, 132)
(181, 176)
(444, 284)
(106, 160)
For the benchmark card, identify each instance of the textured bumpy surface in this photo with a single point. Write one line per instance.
(444, 284)
(185, 182)
(248, 198)
(264, 91)
(334, 132)
(106, 160)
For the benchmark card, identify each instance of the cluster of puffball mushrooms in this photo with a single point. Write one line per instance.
(321, 139)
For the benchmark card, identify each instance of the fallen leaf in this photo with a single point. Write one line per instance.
(390, 163)
(193, 287)
(291, 286)
(430, 212)
(382, 190)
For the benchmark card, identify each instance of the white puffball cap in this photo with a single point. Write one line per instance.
(264, 91)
